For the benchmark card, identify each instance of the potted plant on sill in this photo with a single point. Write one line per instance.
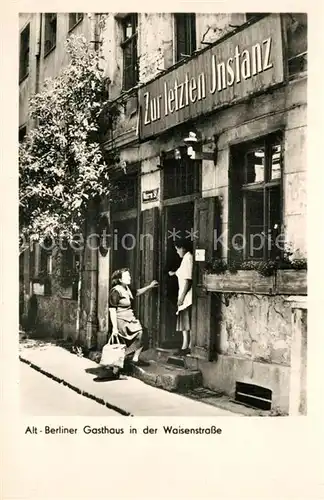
(280, 276)
(291, 277)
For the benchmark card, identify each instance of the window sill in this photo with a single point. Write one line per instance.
(285, 282)
(129, 91)
(49, 51)
(240, 282)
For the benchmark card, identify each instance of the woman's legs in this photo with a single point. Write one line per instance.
(136, 347)
(186, 340)
(139, 346)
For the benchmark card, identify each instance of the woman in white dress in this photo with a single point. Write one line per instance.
(184, 275)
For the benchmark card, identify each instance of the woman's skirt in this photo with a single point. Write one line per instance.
(131, 331)
(184, 320)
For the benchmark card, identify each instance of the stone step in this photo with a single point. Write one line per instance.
(162, 355)
(168, 377)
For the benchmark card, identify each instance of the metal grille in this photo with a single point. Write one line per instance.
(180, 178)
(253, 395)
(125, 193)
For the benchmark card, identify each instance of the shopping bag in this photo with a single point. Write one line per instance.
(113, 354)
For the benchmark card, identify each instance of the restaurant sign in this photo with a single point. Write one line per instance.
(249, 61)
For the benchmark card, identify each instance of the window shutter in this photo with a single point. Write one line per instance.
(235, 224)
(149, 262)
(207, 220)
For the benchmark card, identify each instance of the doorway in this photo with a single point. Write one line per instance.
(178, 223)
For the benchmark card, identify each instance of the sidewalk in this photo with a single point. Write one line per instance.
(127, 396)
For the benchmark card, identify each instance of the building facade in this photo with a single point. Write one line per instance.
(212, 137)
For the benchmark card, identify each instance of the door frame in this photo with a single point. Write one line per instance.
(166, 204)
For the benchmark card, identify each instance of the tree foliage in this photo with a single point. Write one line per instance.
(61, 160)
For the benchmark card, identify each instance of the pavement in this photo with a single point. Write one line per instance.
(41, 396)
(127, 396)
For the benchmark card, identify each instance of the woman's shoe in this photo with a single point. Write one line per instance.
(184, 352)
(107, 377)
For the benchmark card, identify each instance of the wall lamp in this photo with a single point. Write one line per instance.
(194, 148)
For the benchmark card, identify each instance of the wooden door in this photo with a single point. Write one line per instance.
(204, 313)
(178, 223)
(148, 310)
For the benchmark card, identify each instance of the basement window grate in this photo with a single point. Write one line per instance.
(253, 395)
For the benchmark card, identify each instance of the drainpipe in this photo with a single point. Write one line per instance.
(91, 269)
(79, 301)
(39, 23)
(94, 30)
(38, 49)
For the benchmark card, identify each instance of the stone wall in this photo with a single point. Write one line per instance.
(257, 327)
(155, 44)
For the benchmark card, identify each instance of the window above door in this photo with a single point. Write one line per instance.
(181, 177)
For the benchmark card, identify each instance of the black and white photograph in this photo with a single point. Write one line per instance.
(162, 214)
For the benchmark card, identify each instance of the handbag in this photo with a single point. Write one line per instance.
(113, 354)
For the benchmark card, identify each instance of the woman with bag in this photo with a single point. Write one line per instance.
(124, 322)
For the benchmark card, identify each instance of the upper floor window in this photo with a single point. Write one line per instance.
(254, 15)
(129, 46)
(50, 32)
(255, 212)
(296, 42)
(74, 19)
(185, 35)
(24, 53)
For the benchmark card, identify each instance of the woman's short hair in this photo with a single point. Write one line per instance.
(116, 275)
(184, 243)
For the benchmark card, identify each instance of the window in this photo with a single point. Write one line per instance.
(45, 267)
(50, 32)
(22, 133)
(24, 53)
(70, 265)
(74, 18)
(181, 176)
(129, 46)
(185, 35)
(255, 15)
(297, 43)
(255, 200)
(125, 193)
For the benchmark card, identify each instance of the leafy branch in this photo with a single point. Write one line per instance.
(62, 164)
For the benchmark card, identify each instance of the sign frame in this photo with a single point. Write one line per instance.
(246, 62)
